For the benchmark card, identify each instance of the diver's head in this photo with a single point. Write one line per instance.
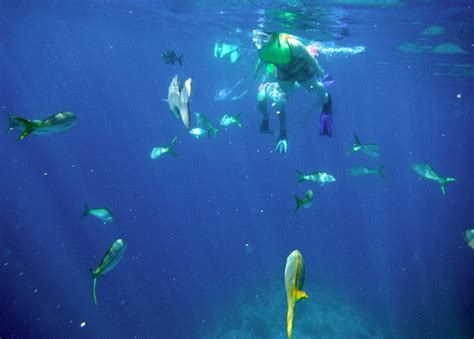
(263, 38)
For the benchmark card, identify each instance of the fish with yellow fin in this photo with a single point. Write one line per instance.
(294, 280)
(111, 258)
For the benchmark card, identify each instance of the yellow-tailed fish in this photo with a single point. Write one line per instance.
(58, 122)
(103, 214)
(111, 258)
(372, 150)
(305, 202)
(294, 280)
(427, 172)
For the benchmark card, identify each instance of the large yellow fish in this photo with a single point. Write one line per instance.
(294, 280)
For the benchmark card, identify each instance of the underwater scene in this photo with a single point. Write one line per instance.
(237, 169)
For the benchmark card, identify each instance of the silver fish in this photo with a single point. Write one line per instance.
(178, 99)
(111, 258)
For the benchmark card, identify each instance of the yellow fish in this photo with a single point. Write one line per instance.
(294, 280)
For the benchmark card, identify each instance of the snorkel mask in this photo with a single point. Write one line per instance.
(261, 38)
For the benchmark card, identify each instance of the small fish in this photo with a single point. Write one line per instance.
(306, 202)
(103, 214)
(469, 237)
(427, 172)
(198, 132)
(372, 150)
(157, 152)
(228, 120)
(318, 177)
(204, 122)
(111, 258)
(59, 122)
(294, 281)
(170, 57)
(178, 99)
(361, 170)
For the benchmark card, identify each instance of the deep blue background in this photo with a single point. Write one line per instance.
(394, 247)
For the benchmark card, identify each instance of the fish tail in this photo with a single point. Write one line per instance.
(356, 140)
(299, 202)
(443, 183)
(29, 128)
(378, 171)
(238, 119)
(212, 132)
(94, 286)
(300, 176)
(86, 211)
(10, 123)
(289, 320)
(180, 60)
(171, 151)
(170, 146)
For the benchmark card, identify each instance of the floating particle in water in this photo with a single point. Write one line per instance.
(83, 324)
(459, 96)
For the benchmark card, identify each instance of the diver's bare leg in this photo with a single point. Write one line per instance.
(281, 112)
(315, 86)
(262, 106)
(287, 87)
(282, 143)
(325, 119)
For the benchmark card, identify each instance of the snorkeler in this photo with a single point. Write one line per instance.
(294, 66)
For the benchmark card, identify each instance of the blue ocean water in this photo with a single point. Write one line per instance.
(208, 231)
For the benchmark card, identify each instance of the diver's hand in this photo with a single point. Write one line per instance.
(265, 127)
(282, 144)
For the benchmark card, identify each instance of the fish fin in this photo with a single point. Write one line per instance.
(94, 286)
(24, 134)
(180, 60)
(29, 127)
(237, 117)
(289, 319)
(183, 106)
(300, 295)
(166, 100)
(212, 132)
(443, 183)
(86, 212)
(300, 176)
(356, 140)
(299, 202)
(10, 123)
(378, 171)
(170, 146)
